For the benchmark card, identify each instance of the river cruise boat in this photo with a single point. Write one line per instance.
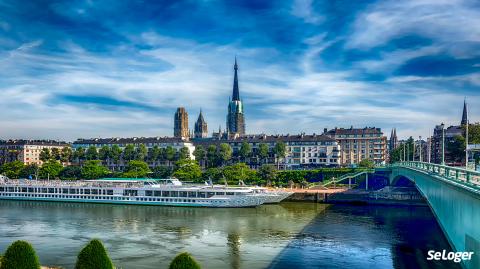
(168, 192)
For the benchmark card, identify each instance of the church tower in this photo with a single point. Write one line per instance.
(235, 116)
(201, 130)
(180, 128)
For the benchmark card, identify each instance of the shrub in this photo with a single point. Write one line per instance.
(93, 256)
(184, 261)
(20, 255)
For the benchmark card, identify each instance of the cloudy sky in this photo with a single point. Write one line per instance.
(71, 69)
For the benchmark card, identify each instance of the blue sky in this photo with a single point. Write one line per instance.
(72, 69)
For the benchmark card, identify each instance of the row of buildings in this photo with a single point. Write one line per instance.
(436, 149)
(335, 147)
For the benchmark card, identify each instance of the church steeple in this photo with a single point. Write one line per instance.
(236, 91)
(201, 129)
(464, 114)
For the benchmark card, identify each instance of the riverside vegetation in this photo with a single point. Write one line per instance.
(218, 164)
(21, 255)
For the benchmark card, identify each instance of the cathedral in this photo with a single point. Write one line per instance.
(235, 117)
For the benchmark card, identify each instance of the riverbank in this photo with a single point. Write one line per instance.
(385, 196)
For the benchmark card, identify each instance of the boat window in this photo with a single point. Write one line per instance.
(183, 194)
(86, 191)
(174, 194)
(2, 189)
(210, 194)
(192, 194)
(109, 192)
(148, 193)
(72, 191)
(230, 193)
(94, 191)
(65, 190)
(166, 193)
(24, 189)
(157, 193)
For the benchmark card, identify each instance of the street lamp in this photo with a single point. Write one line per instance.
(466, 146)
(420, 142)
(443, 145)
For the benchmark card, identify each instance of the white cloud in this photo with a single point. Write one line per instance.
(444, 20)
(303, 9)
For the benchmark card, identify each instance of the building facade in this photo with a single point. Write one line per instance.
(235, 116)
(443, 136)
(180, 129)
(27, 151)
(302, 151)
(201, 128)
(358, 144)
(162, 142)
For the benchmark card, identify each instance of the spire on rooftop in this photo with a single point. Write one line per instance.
(464, 114)
(236, 91)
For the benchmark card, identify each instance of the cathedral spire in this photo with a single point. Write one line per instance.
(464, 114)
(236, 91)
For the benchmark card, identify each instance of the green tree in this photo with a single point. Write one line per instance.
(136, 169)
(237, 172)
(225, 153)
(262, 151)
(161, 172)
(55, 154)
(396, 155)
(115, 154)
(66, 154)
(170, 153)
(199, 154)
(213, 173)
(71, 172)
(155, 154)
(50, 169)
(245, 151)
(45, 155)
(184, 261)
(366, 163)
(12, 169)
(141, 152)
(129, 153)
(187, 170)
(280, 150)
(456, 148)
(20, 255)
(94, 169)
(30, 170)
(212, 156)
(104, 154)
(267, 173)
(79, 154)
(184, 153)
(94, 256)
(91, 153)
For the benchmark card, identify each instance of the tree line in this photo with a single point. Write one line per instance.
(21, 255)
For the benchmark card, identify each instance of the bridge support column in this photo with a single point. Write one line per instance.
(366, 181)
(349, 182)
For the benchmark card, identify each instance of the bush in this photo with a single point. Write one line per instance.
(20, 255)
(93, 256)
(184, 261)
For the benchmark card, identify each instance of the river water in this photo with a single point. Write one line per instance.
(288, 235)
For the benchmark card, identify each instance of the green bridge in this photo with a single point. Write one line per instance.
(453, 194)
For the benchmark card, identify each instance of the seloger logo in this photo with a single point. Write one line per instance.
(449, 256)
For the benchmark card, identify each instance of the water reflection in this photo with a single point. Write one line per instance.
(149, 237)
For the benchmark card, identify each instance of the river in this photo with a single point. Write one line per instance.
(288, 235)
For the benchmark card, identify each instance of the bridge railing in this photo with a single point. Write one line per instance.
(458, 174)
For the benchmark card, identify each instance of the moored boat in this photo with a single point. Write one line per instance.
(168, 192)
